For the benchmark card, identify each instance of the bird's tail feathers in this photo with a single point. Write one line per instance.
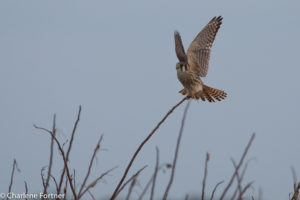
(211, 94)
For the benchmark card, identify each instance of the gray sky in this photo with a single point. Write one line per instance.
(117, 59)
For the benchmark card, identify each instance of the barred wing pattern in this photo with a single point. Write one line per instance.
(198, 53)
(179, 47)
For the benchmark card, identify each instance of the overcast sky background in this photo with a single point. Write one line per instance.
(117, 60)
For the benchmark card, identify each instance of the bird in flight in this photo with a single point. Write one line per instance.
(195, 63)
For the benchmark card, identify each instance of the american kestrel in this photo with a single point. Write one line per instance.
(195, 63)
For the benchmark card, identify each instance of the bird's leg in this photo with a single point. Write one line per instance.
(200, 95)
(191, 96)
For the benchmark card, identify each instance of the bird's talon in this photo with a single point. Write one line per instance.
(183, 91)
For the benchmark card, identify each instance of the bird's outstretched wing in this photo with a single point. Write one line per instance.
(198, 53)
(179, 48)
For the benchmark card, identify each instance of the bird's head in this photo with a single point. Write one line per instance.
(181, 66)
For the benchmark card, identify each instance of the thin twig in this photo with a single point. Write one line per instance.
(55, 182)
(64, 160)
(186, 197)
(151, 180)
(294, 177)
(155, 173)
(41, 128)
(91, 195)
(90, 165)
(296, 193)
(238, 166)
(239, 178)
(131, 178)
(62, 176)
(140, 147)
(146, 188)
(51, 156)
(93, 183)
(26, 190)
(73, 133)
(15, 167)
(42, 177)
(65, 189)
(239, 186)
(74, 179)
(131, 187)
(245, 168)
(69, 148)
(244, 190)
(176, 151)
(43, 181)
(205, 175)
(214, 190)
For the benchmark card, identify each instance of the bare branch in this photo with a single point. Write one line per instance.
(131, 187)
(74, 179)
(205, 175)
(73, 133)
(43, 129)
(151, 180)
(26, 190)
(146, 188)
(140, 147)
(155, 173)
(239, 186)
(245, 168)
(238, 166)
(62, 176)
(131, 178)
(176, 151)
(93, 183)
(90, 165)
(54, 180)
(64, 159)
(15, 167)
(42, 176)
(65, 189)
(91, 195)
(296, 193)
(70, 146)
(294, 178)
(186, 197)
(244, 190)
(239, 178)
(214, 190)
(53, 133)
